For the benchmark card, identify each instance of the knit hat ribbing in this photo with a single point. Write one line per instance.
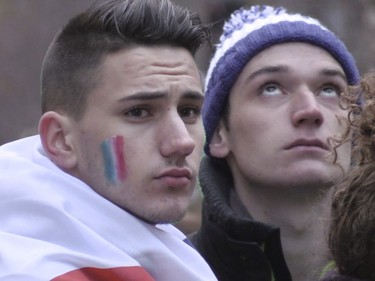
(250, 31)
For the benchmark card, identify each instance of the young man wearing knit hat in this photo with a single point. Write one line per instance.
(271, 105)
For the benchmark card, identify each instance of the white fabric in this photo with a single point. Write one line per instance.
(52, 223)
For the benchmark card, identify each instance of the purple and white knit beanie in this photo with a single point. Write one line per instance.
(250, 31)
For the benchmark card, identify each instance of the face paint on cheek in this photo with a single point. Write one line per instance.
(114, 159)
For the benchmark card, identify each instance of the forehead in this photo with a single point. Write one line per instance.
(296, 54)
(301, 61)
(146, 69)
(148, 60)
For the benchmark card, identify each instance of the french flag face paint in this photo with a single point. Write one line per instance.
(114, 160)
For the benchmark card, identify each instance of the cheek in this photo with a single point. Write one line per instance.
(242, 128)
(113, 153)
(199, 139)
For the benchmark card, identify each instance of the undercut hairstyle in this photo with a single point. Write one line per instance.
(352, 230)
(71, 67)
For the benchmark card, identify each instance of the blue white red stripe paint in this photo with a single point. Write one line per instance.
(114, 159)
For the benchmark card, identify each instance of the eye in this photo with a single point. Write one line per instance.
(330, 91)
(137, 112)
(190, 113)
(270, 89)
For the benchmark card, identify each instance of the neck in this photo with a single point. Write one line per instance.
(303, 217)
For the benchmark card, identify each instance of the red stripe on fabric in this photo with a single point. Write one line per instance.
(124, 273)
(119, 144)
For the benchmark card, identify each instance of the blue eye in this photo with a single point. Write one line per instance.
(330, 91)
(270, 90)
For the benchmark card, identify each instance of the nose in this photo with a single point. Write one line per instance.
(176, 140)
(306, 109)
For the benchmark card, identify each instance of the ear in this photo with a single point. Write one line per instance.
(56, 134)
(219, 145)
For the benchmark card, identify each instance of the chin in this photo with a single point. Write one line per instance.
(167, 219)
(311, 177)
(321, 172)
(316, 181)
(166, 215)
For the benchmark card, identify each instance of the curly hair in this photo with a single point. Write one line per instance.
(352, 230)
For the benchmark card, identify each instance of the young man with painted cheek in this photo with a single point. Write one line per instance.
(140, 139)
(271, 105)
(93, 195)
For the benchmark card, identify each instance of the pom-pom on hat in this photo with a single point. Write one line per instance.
(250, 31)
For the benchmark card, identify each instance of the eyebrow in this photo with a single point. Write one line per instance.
(284, 69)
(267, 70)
(160, 95)
(333, 72)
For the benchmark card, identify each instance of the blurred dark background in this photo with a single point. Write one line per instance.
(28, 26)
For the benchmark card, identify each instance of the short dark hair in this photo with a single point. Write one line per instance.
(70, 68)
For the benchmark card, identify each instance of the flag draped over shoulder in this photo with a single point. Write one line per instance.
(54, 227)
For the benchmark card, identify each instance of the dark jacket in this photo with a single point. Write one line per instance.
(234, 245)
(334, 276)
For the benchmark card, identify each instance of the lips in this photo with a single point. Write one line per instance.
(176, 177)
(307, 143)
